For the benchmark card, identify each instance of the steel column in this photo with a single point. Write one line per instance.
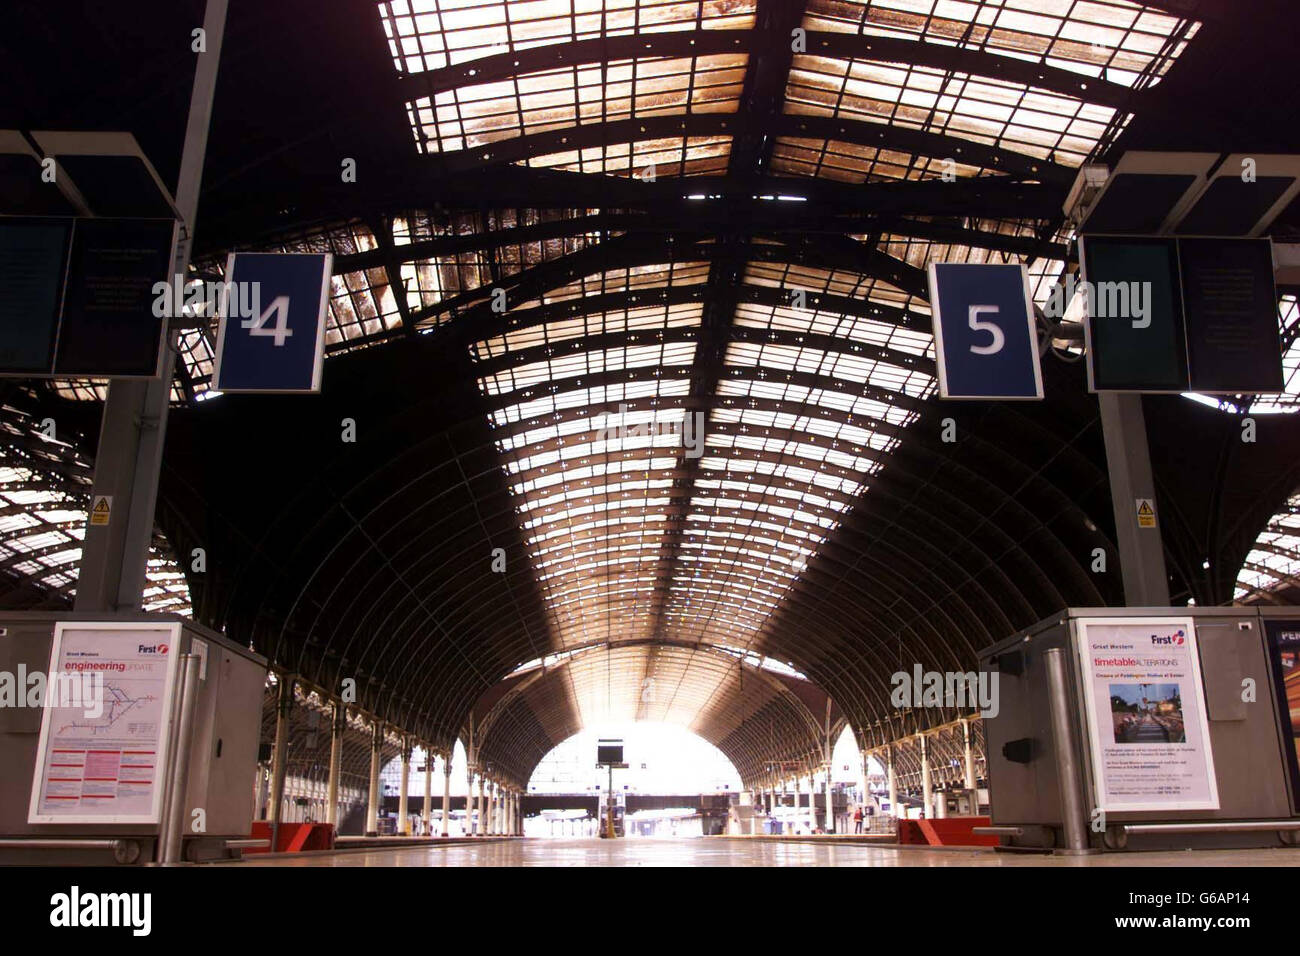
(1128, 460)
(283, 707)
(427, 816)
(404, 790)
(337, 726)
(446, 796)
(115, 557)
(927, 790)
(1067, 758)
(372, 805)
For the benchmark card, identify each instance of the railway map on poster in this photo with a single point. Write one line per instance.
(103, 745)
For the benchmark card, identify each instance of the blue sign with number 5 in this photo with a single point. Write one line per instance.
(985, 338)
(272, 332)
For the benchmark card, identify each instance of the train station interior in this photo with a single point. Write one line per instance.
(594, 433)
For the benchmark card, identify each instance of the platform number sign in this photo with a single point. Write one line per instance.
(985, 337)
(272, 327)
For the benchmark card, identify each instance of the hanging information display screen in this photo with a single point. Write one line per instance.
(1177, 315)
(1230, 304)
(1147, 728)
(105, 723)
(1284, 655)
(1134, 306)
(33, 257)
(78, 297)
(109, 326)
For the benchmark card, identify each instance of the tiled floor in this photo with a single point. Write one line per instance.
(720, 851)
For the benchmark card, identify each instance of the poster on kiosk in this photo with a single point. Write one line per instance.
(105, 722)
(1146, 721)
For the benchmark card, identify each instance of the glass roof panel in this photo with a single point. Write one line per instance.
(467, 117)
(431, 34)
(1110, 39)
(648, 159)
(1273, 564)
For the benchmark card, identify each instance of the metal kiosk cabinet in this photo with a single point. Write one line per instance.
(101, 793)
(1236, 699)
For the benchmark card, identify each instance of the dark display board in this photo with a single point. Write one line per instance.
(609, 753)
(1197, 314)
(109, 327)
(1284, 655)
(1153, 356)
(33, 257)
(82, 302)
(1230, 305)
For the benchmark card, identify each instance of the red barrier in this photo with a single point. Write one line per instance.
(295, 837)
(949, 831)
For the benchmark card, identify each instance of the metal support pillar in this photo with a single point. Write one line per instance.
(469, 802)
(1128, 459)
(283, 707)
(830, 747)
(372, 805)
(970, 760)
(427, 816)
(1068, 765)
(128, 460)
(893, 783)
(862, 778)
(404, 790)
(830, 803)
(446, 796)
(174, 825)
(479, 821)
(927, 787)
(812, 801)
(337, 726)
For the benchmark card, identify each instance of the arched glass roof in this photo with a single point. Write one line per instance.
(676, 251)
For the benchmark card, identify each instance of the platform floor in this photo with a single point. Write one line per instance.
(720, 851)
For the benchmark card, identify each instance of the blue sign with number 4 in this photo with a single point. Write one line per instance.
(272, 332)
(985, 338)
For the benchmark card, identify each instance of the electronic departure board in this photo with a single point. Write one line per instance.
(77, 297)
(1181, 314)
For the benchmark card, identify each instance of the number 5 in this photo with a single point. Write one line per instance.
(999, 339)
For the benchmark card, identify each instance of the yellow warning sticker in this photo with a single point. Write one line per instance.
(1146, 513)
(101, 509)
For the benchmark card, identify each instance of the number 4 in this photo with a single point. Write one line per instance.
(280, 331)
(999, 339)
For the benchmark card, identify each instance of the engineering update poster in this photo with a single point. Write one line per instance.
(1147, 727)
(103, 745)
